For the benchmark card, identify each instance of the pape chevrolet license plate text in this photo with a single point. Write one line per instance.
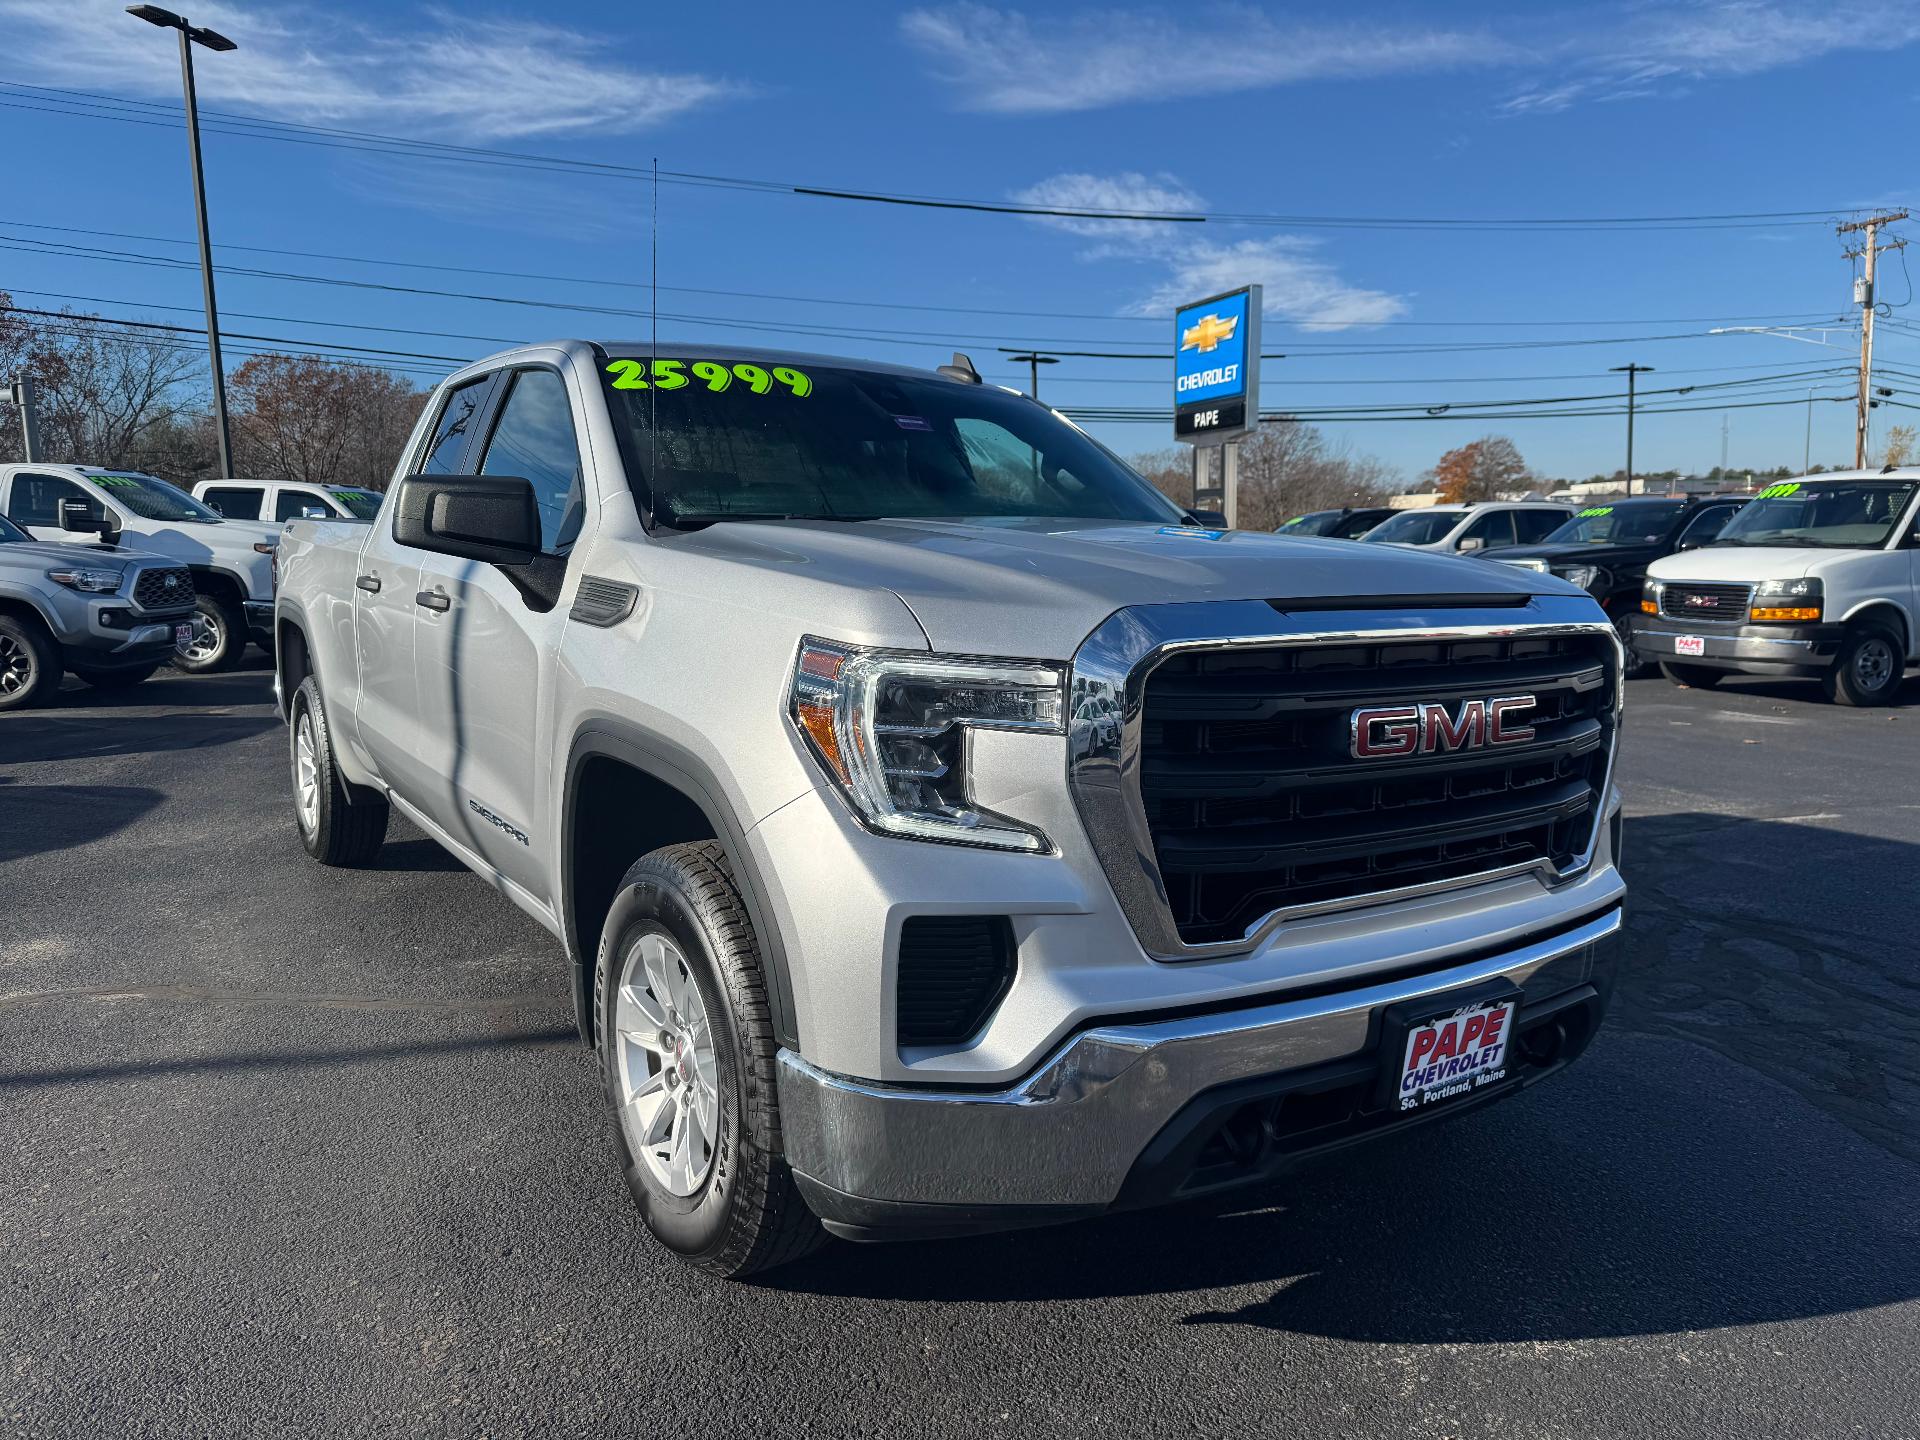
(1455, 1054)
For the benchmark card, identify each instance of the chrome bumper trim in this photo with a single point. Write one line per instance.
(1071, 1131)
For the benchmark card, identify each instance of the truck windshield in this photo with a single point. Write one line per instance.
(361, 504)
(1618, 524)
(11, 531)
(1415, 527)
(1831, 514)
(153, 499)
(718, 438)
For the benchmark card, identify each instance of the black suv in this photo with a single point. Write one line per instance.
(1606, 548)
(1336, 524)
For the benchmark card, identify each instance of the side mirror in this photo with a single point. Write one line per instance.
(1472, 542)
(490, 518)
(78, 517)
(1212, 519)
(313, 512)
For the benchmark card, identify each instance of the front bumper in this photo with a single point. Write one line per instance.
(1144, 1112)
(118, 635)
(1804, 650)
(259, 615)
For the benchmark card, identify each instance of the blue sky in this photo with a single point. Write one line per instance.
(1383, 113)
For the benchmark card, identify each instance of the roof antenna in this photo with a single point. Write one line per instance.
(962, 370)
(653, 357)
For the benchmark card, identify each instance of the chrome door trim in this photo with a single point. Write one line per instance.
(1106, 704)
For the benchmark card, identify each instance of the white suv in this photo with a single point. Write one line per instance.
(1816, 577)
(1465, 528)
(278, 501)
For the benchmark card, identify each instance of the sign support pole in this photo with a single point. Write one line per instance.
(1230, 482)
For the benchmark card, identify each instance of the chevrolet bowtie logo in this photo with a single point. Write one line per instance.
(1208, 332)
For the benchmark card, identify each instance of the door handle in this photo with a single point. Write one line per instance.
(433, 599)
(368, 583)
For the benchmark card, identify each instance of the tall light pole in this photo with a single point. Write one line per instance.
(191, 35)
(1630, 371)
(1033, 362)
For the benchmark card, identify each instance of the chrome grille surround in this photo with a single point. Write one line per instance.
(1107, 707)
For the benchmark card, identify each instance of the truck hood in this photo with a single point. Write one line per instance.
(1038, 587)
(1608, 555)
(56, 552)
(1744, 563)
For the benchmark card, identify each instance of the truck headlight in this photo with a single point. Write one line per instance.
(1787, 601)
(1585, 576)
(890, 727)
(1650, 597)
(94, 582)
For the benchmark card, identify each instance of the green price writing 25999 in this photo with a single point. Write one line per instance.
(716, 375)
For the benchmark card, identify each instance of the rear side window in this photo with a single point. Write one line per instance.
(292, 504)
(449, 441)
(534, 439)
(36, 499)
(236, 502)
(1532, 525)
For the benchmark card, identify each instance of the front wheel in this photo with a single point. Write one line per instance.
(687, 1061)
(1696, 677)
(218, 636)
(29, 663)
(1868, 669)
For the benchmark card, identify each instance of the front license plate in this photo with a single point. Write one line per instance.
(1455, 1054)
(1689, 645)
(183, 635)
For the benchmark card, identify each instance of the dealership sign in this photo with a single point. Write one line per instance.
(1216, 367)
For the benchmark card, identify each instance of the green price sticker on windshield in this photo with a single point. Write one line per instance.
(1779, 492)
(716, 375)
(116, 480)
(1593, 511)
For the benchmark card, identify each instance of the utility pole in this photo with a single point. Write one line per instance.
(21, 393)
(1630, 371)
(191, 35)
(1723, 442)
(1869, 250)
(1806, 461)
(1033, 361)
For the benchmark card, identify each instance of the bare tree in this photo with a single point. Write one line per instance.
(1286, 469)
(1900, 445)
(298, 418)
(106, 392)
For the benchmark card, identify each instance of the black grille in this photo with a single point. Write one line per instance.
(953, 970)
(1255, 802)
(1705, 602)
(151, 591)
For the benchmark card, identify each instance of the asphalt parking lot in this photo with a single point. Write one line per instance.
(297, 1151)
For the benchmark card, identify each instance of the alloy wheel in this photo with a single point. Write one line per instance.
(668, 1076)
(204, 644)
(306, 774)
(16, 666)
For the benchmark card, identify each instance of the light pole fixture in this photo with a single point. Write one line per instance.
(191, 35)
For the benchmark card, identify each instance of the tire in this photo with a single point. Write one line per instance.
(1634, 666)
(339, 823)
(124, 679)
(219, 636)
(29, 663)
(717, 1192)
(1869, 668)
(1696, 677)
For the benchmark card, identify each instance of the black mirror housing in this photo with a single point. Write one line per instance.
(1212, 519)
(490, 518)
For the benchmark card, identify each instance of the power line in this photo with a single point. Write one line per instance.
(94, 105)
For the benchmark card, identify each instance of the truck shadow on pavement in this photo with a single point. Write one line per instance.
(1739, 1147)
(36, 819)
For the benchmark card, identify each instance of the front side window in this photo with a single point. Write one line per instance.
(11, 532)
(153, 499)
(236, 502)
(1824, 514)
(719, 438)
(361, 504)
(36, 499)
(449, 439)
(1493, 528)
(1415, 527)
(534, 439)
(1705, 527)
(1532, 525)
(294, 504)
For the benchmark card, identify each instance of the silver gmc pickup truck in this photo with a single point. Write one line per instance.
(945, 831)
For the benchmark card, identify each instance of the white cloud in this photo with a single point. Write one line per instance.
(1299, 284)
(1055, 60)
(479, 80)
(1000, 60)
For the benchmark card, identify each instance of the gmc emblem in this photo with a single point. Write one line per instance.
(1427, 728)
(1703, 602)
